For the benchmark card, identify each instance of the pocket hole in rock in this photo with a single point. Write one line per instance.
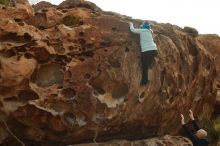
(21, 23)
(17, 20)
(49, 74)
(41, 54)
(58, 47)
(27, 37)
(87, 76)
(81, 59)
(100, 90)
(119, 90)
(96, 84)
(54, 95)
(127, 49)
(126, 100)
(20, 49)
(69, 92)
(81, 22)
(41, 27)
(71, 48)
(28, 55)
(44, 10)
(8, 53)
(81, 34)
(60, 87)
(12, 98)
(26, 95)
(142, 95)
(69, 119)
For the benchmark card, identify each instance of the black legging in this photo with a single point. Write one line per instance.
(146, 60)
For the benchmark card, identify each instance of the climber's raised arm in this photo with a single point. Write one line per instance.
(200, 137)
(152, 32)
(191, 116)
(134, 30)
(189, 133)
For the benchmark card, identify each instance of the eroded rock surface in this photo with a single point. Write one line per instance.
(162, 141)
(71, 73)
(212, 45)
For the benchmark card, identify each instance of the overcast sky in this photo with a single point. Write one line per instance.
(204, 15)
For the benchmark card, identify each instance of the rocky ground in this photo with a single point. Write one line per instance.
(160, 141)
(71, 74)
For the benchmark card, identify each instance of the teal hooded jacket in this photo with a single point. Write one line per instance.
(146, 38)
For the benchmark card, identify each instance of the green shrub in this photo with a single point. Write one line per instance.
(5, 2)
(217, 124)
(213, 129)
(71, 20)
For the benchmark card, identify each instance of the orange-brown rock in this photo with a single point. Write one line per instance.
(23, 10)
(72, 73)
(212, 45)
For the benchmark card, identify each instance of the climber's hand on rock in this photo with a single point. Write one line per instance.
(191, 115)
(182, 119)
(130, 23)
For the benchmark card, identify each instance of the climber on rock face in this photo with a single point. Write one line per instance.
(148, 48)
(200, 136)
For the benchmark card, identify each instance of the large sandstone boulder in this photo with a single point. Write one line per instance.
(72, 73)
